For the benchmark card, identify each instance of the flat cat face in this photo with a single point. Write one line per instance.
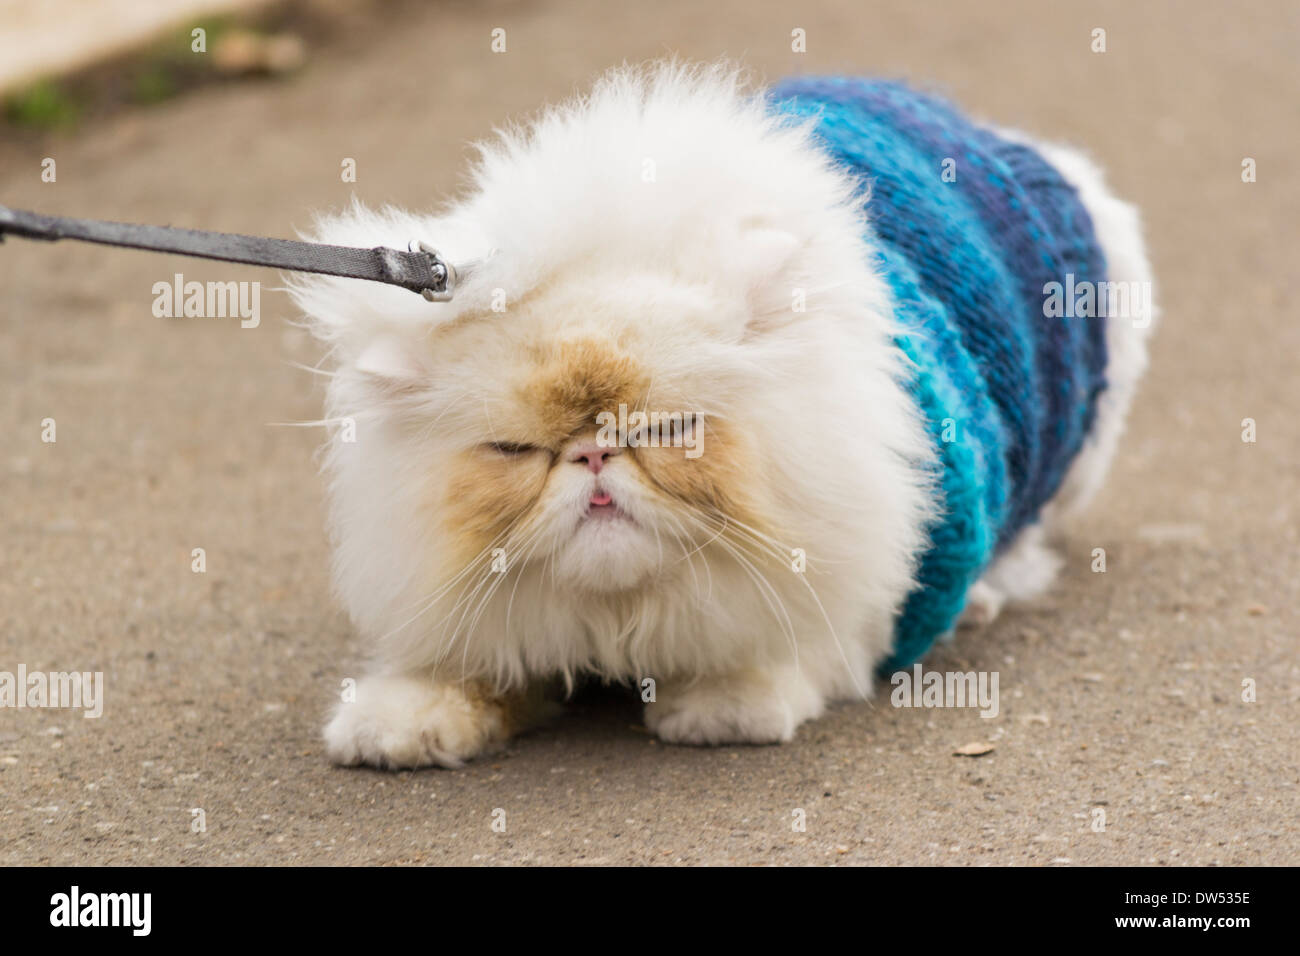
(589, 436)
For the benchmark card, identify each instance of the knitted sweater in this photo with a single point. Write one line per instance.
(1008, 393)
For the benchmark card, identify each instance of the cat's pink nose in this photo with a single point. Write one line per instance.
(593, 454)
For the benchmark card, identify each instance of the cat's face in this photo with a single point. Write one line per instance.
(597, 430)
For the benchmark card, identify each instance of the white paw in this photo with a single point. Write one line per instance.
(402, 722)
(754, 709)
(983, 604)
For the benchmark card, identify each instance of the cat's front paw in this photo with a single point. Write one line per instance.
(752, 708)
(408, 721)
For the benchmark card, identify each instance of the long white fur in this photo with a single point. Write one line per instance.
(669, 211)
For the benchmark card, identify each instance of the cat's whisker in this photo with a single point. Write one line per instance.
(863, 692)
(660, 542)
(476, 599)
(528, 547)
(463, 598)
(451, 403)
(522, 563)
(466, 570)
(317, 423)
(431, 601)
(770, 597)
(739, 535)
(324, 373)
(471, 565)
(519, 577)
(683, 538)
(464, 601)
(760, 537)
(765, 588)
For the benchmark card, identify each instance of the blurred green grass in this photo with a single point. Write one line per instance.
(152, 74)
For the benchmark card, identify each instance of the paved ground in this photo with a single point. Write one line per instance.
(1123, 691)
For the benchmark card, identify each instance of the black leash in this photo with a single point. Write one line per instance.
(420, 270)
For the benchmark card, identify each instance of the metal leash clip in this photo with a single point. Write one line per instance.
(442, 271)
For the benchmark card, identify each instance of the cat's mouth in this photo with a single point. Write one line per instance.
(602, 506)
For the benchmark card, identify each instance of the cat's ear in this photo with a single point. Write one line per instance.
(392, 363)
(760, 255)
(763, 267)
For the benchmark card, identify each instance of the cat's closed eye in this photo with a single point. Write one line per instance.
(511, 449)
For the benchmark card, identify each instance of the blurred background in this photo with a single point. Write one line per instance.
(1123, 690)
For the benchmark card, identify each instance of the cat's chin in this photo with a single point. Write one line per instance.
(608, 552)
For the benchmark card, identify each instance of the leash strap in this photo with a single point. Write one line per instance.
(420, 270)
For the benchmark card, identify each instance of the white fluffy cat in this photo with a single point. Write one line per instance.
(638, 247)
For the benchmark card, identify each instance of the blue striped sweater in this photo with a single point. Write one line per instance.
(1008, 393)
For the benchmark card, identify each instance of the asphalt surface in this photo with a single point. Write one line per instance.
(1121, 692)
